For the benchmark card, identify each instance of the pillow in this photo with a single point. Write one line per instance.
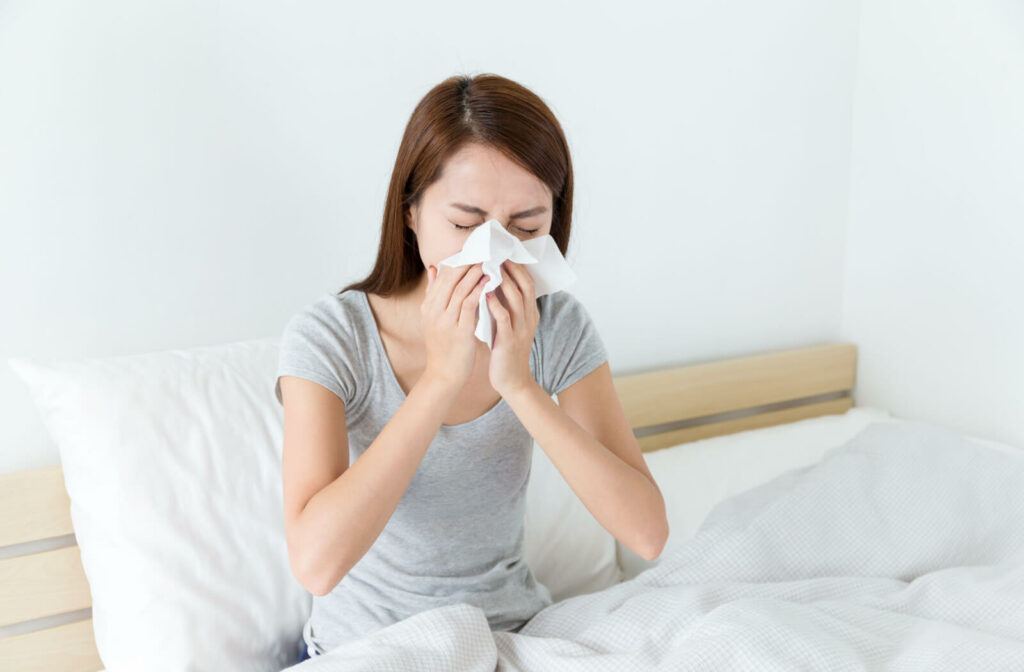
(697, 475)
(172, 464)
(566, 548)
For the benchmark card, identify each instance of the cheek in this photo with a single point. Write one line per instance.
(449, 245)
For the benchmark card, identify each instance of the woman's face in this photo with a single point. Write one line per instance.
(478, 183)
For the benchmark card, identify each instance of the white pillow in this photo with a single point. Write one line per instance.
(695, 476)
(172, 464)
(567, 549)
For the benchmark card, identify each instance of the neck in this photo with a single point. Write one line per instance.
(406, 307)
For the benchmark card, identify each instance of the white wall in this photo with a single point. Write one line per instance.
(935, 256)
(183, 173)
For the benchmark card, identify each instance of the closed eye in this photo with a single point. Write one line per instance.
(467, 228)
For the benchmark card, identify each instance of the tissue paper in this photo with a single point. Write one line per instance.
(491, 245)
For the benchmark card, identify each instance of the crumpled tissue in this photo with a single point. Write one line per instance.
(491, 245)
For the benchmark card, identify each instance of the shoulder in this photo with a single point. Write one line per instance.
(569, 343)
(559, 310)
(324, 342)
(329, 315)
(328, 331)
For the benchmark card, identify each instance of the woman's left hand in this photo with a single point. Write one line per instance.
(517, 320)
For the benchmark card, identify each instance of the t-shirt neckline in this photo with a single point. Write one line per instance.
(372, 325)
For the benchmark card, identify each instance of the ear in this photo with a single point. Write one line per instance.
(411, 218)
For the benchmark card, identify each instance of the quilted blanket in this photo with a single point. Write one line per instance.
(902, 549)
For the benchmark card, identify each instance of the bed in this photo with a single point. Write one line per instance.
(670, 409)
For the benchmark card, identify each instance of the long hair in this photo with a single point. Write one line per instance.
(488, 109)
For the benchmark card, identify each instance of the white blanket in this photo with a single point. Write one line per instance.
(902, 549)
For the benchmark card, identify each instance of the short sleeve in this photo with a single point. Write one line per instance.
(318, 344)
(570, 345)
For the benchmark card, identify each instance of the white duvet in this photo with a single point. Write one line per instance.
(902, 549)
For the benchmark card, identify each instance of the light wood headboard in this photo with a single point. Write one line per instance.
(665, 407)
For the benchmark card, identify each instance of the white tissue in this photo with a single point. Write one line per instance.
(491, 244)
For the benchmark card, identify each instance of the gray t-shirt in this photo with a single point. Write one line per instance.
(457, 533)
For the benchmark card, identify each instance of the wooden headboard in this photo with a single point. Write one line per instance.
(665, 407)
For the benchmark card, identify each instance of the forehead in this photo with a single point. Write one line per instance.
(482, 176)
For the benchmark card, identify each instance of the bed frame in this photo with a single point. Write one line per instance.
(665, 407)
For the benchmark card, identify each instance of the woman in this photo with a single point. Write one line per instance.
(389, 370)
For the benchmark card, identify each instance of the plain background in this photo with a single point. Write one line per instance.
(750, 176)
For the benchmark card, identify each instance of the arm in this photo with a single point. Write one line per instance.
(589, 440)
(334, 512)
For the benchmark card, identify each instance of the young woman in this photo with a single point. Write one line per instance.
(440, 428)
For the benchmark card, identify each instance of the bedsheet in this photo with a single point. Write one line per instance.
(902, 549)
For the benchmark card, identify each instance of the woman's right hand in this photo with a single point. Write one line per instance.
(448, 316)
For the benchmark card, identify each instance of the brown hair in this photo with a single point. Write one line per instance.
(485, 108)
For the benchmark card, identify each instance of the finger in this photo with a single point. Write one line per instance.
(428, 297)
(501, 316)
(444, 283)
(513, 297)
(524, 281)
(471, 278)
(433, 301)
(471, 306)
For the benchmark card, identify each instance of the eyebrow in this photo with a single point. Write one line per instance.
(519, 215)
